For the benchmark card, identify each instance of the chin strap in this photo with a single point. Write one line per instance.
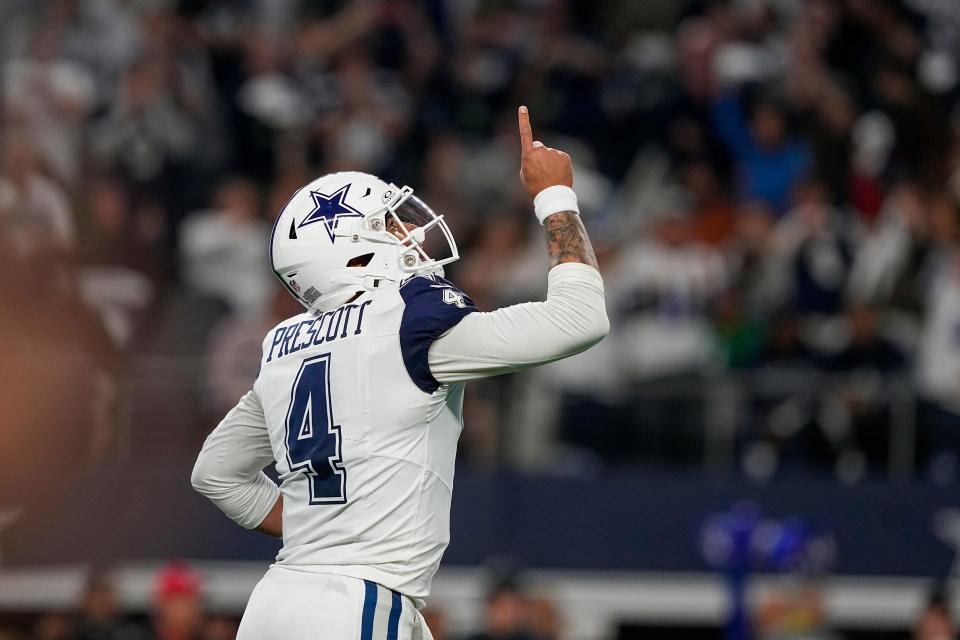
(331, 300)
(367, 281)
(353, 284)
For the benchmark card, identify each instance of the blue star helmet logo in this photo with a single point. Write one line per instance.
(328, 209)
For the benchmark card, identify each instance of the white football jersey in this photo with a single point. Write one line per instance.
(363, 434)
(360, 410)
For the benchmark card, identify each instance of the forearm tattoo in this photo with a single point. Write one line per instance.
(567, 240)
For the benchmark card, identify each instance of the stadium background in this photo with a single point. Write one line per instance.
(767, 443)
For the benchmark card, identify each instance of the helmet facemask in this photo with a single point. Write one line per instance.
(378, 233)
(422, 251)
(399, 251)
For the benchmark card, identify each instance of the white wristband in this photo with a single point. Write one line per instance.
(554, 200)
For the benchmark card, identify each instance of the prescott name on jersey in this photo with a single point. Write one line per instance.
(359, 408)
(358, 401)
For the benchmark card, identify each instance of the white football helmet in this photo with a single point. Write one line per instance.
(343, 218)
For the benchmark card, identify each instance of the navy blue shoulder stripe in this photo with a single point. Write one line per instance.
(434, 305)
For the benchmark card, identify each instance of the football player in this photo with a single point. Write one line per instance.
(358, 401)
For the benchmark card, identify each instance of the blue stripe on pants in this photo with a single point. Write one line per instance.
(393, 626)
(369, 607)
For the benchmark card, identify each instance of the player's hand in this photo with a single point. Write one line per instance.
(540, 166)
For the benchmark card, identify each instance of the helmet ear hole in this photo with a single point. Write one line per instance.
(360, 261)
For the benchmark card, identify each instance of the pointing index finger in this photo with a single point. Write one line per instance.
(526, 133)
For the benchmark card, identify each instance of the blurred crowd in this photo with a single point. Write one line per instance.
(177, 612)
(772, 187)
(179, 609)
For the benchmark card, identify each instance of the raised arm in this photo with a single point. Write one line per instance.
(547, 175)
(571, 319)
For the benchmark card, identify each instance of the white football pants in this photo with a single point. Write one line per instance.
(298, 605)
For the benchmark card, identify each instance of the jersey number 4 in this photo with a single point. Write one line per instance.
(313, 441)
